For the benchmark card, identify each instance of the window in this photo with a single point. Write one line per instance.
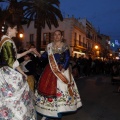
(52, 37)
(31, 38)
(79, 39)
(75, 38)
(83, 39)
(46, 38)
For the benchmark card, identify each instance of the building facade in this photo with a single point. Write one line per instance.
(79, 34)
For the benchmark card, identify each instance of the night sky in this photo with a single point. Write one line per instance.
(104, 15)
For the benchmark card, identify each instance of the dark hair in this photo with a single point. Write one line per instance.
(59, 31)
(29, 54)
(7, 24)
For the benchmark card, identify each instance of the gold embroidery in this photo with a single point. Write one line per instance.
(60, 49)
(62, 77)
(1, 42)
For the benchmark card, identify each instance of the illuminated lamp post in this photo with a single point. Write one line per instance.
(97, 50)
(110, 55)
(21, 35)
(96, 47)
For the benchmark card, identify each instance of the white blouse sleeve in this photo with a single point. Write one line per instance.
(15, 64)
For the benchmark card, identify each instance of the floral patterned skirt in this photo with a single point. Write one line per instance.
(62, 103)
(16, 100)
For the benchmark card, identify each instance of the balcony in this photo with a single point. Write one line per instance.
(89, 36)
(81, 45)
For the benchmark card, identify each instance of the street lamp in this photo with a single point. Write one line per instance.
(110, 54)
(21, 35)
(97, 50)
(96, 47)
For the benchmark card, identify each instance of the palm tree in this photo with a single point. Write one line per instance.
(42, 12)
(15, 10)
(3, 13)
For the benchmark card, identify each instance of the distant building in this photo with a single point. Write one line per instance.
(79, 34)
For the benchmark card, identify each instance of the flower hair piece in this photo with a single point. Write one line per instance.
(3, 28)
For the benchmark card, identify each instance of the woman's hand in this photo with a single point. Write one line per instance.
(34, 51)
(31, 50)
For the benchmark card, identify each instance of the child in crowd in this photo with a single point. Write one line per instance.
(29, 68)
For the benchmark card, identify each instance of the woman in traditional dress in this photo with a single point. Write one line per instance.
(57, 90)
(16, 100)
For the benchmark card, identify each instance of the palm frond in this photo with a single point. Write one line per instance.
(43, 10)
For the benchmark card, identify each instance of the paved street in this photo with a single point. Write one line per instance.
(99, 101)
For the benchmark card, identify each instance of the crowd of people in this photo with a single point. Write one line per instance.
(86, 66)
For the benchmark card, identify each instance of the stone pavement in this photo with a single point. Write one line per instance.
(99, 101)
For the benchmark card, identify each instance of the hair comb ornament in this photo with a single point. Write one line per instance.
(3, 28)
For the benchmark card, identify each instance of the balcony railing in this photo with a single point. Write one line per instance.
(80, 44)
(83, 44)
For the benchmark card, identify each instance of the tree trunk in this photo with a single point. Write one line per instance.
(38, 40)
